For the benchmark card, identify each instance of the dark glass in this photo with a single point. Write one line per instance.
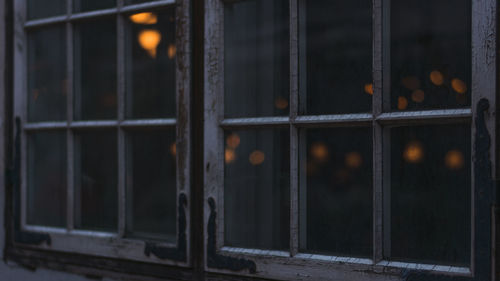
(138, 1)
(257, 189)
(430, 194)
(96, 177)
(90, 5)
(46, 8)
(151, 67)
(47, 183)
(430, 54)
(256, 58)
(95, 70)
(336, 200)
(47, 79)
(151, 184)
(336, 38)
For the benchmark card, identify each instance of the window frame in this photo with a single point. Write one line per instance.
(292, 265)
(111, 245)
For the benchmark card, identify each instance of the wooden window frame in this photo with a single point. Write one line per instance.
(103, 244)
(293, 265)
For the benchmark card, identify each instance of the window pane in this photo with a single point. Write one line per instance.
(337, 70)
(430, 194)
(47, 8)
(336, 194)
(96, 180)
(256, 188)
(430, 54)
(151, 184)
(47, 179)
(151, 67)
(89, 5)
(47, 79)
(256, 58)
(95, 70)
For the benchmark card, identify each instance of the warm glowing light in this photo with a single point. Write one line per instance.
(418, 96)
(353, 160)
(256, 157)
(281, 103)
(229, 156)
(173, 149)
(402, 103)
(172, 50)
(144, 18)
(319, 152)
(459, 86)
(414, 153)
(436, 78)
(369, 89)
(454, 160)
(149, 40)
(233, 141)
(411, 82)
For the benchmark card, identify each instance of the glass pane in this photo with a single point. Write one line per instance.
(151, 67)
(256, 58)
(336, 74)
(151, 184)
(430, 54)
(256, 188)
(95, 70)
(430, 194)
(96, 180)
(336, 194)
(47, 179)
(46, 8)
(90, 5)
(47, 79)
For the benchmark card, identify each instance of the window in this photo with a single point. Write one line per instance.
(102, 102)
(345, 139)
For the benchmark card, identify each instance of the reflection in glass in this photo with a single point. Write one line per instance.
(47, 179)
(95, 70)
(336, 40)
(430, 54)
(151, 67)
(47, 80)
(256, 60)
(90, 5)
(430, 194)
(336, 194)
(47, 8)
(96, 180)
(256, 189)
(151, 184)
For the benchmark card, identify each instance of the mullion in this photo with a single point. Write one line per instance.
(70, 213)
(121, 87)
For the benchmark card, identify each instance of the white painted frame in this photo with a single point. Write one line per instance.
(292, 265)
(113, 245)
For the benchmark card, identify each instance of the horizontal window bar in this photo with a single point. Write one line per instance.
(254, 122)
(258, 252)
(148, 123)
(464, 271)
(97, 13)
(145, 6)
(334, 258)
(405, 116)
(361, 118)
(94, 124)
(45, 126)
(45, 229)
(45, 21)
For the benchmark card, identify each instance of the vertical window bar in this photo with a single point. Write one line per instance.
(377, 104)
(120, 23)
(69, 115)
(294, 98)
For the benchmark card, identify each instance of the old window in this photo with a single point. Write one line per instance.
(343, 138)
(101, 99)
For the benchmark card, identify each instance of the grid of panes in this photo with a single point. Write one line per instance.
(340, 139)
(99, 117)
